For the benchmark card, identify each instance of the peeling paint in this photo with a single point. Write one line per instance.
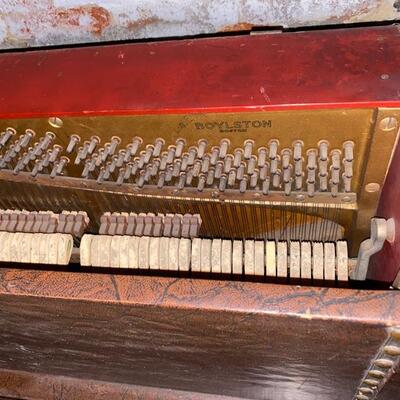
(25, 23)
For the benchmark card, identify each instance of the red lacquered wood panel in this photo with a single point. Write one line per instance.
(386, 264)
(329, 68)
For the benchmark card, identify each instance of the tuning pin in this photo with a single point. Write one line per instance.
(115, 141)
(192, 155)
(47, 140)
(19, 167)
(251, 164)
(121, 176)
(182, 180)
(238, 153)
(37, 150)
(161, 180)
(196, 168)
(348, 150)
(46, 159)
(100, 177)
(243, 184)
(241, 170)
(127, 171)
(276, 179)
(202, 145)
(214, 155)
(254, 179)
(286, 154)
(136, 142)
(113, 163)
(311, 159)
(180, 144)
(273, 149)
(189, 177)
(171, 154)
(201, 183)
(147, 174)
(228, 162)
(219, 168)
(323, 147)
(141, 179)
(120, 159)
(61, 165)
(248, 148)
(148, 153)
(335, 158)
(105, 152)
(224, 146)
(176, 167)
(156, 165)
(264, 171)
(210, 176)
(142, 158)
(274, 165)
(79, 157)
(222, 183)
(53, 155)
(86, 169)
(6, 136)
(232, 177)
(73, 141)
(262, 156)
(168, 173)
(205, 164)
(94, 142)
(297, 150)
(158, 144)
(265, 185)
(184, 165)
(35, 169)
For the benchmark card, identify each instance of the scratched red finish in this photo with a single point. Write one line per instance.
(385, 266)
(329, 68)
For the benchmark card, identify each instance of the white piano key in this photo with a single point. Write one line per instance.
(15, 251)
(306, 271)
(185, 253)
(259, 258)
(115, 251)
(94, 250)
(144, 242)
(237, 257)
(64, 248)
(226, 257)
(329, 262)
(154, 261)
(318, 261)
(44, 248)
(133, 252)
(270, 258)
(342, 261)
(84, 250)
(249, 257)
(281, 260)
(104, 250)
(53, 248)
(294, 260)
(205, 263)
(216, 250)
(164, 249)
(124, 252)
(173, 254)
(196, 254)
(26, 240)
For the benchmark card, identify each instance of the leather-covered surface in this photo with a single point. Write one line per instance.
(239, 339)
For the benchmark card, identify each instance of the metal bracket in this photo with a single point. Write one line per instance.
(381, 230)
